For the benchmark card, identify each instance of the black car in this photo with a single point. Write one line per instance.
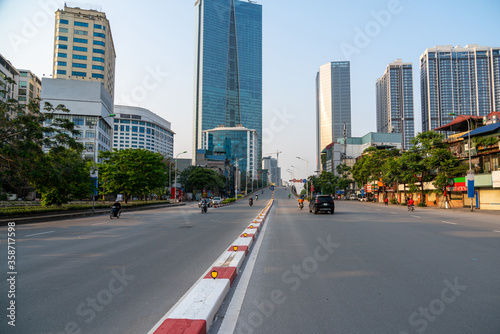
(322, 203)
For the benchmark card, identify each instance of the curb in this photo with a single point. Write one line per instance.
(194, 313)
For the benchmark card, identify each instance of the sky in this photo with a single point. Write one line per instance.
(154, 43)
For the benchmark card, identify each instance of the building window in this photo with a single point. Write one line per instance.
(62, 38)
(61, 63)
(65, 30)
(98, 59)
(81, 24)
(61, 46)
(62, 55)
(98, 67)
(98, 51)
(79, 65)
(134, 128)
(97, 75)
(61, 21)
(99, 43)
(78, 120)
(97, 26)
(61, 72)
(98, 34)
(81, 32)
(79, 74)
(89, 134)
(79, 48)
(79, 57)
(80, 40)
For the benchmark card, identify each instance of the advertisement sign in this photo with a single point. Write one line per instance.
(470, 185)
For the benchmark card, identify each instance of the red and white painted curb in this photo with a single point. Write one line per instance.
(196, 310)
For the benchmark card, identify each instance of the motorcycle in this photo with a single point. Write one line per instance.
(115, 212)
(411, 207)
(204, 207)
(250, 202)
(256, 197)
(301, 205)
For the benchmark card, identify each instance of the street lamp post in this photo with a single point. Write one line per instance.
(175, 177)
(236, 179)
(469, 128)
(307, 174)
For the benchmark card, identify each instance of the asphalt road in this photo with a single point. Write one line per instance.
(96, 275)
(370, 269)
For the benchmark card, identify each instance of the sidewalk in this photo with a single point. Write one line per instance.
(77, 214)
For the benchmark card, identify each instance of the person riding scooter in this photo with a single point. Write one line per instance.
(411, 205)
(204, 205)
(116, 209)
(301, 202)
(256, 197)
(250, 201)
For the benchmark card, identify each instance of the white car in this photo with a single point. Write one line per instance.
(216, 201)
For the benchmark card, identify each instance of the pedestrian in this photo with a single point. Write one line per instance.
(386, 200)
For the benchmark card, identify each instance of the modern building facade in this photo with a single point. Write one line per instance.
(90, 108)
(30, 87)
(271, 165)
(237, 144)
(459, 80)
(333, 104)
(136, 127)
(228, 69)
(394, 91)
(8, 90)
(83, 47)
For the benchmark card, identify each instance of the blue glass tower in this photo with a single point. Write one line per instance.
(228, 68)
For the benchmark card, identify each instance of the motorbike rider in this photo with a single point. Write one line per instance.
(410, 203)
(301, 200)
(250, 201)
(256, 197)
(289, 196)
(117, 207)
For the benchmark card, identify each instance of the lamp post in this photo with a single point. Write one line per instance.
(469, 128)
(236, 179)
(175, 177)
(96, 130)
(307, 174)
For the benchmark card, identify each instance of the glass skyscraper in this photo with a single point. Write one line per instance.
(394, 92)
(333, 104)
(460, 80)
(228, 73)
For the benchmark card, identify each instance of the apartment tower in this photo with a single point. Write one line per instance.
(394, 92)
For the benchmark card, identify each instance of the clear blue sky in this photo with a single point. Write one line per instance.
(299, 36)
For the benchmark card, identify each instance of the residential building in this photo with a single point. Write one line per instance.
(7, 70)
(90, 108)
(237, 144)
(136, 127)
(228, 70)
(30, 87)
(394, 92)
(83, 47)
(333, 104)
(459, 80)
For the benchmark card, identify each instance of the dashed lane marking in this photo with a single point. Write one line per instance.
(32, 235)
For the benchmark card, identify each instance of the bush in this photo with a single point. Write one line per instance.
(394, 201)
(422, 205)
(229, 200)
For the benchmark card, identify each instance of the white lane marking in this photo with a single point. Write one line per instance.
(99, 224)
(233, 311)
(378, 209)
(448, 223)
(496, 231)
(394, 213)
(417, 216)
(32, 235)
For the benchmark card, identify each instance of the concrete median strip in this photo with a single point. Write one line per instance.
(196, 310)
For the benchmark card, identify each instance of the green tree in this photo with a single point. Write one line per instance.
(62, 175)
(132, 172)
(199, 178)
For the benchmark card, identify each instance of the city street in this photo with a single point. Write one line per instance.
(367, 269)
(372, 269)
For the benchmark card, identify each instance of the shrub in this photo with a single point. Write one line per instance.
(394, 201)
(422, 205)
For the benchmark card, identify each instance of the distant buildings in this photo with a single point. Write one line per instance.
(460, 80)
(274, 172)
(7, 70)
(228, 72)
(30, 87)
(136, 127)
(394, 91)
(333, 104)
(83, 47)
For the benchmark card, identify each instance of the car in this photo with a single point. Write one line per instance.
(216, 201)
(322, 203)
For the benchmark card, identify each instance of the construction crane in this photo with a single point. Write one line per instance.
(277, 156)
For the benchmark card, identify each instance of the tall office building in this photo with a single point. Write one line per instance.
(460, 80)
(83, 47)
(333, 104)
(394, 92)
(228, 68)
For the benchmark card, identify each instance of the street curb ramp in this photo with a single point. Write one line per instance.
(195, 312)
